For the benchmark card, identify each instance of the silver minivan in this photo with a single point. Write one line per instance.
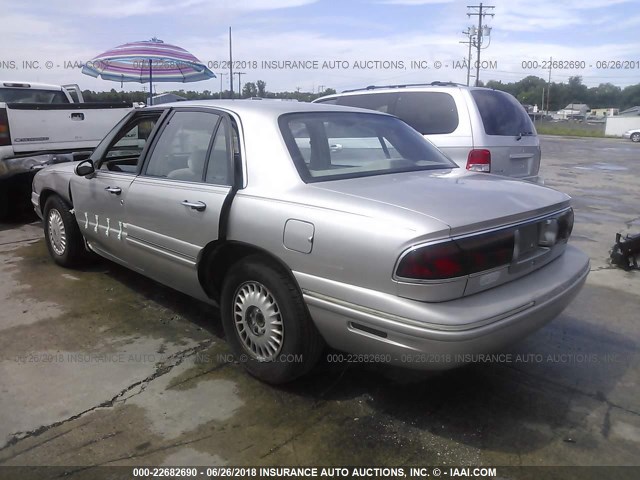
(480, 129)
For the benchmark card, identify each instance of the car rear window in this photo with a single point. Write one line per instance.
(336, 145)
(30, 95)
(501, 113)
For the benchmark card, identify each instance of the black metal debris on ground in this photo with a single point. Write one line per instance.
(625, 252)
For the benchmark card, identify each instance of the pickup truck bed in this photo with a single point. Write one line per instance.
(34, 135)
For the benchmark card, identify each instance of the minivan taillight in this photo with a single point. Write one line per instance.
(457, 258)
(479, 160)
(5, 137)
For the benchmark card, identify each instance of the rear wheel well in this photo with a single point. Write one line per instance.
(219, 257)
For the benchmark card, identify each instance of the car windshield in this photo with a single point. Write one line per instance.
(336, 145)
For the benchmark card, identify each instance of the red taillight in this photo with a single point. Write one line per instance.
(434, 262)
(479, 161)
(457, 258)
(565, 225)
(491, 250)
(5, 137)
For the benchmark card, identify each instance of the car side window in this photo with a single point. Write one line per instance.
(181, 151)
(430, 113)
(218, 167)
(303, 139)
(124, 152)
(381, 102)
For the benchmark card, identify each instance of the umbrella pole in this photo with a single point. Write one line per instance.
(150, 84)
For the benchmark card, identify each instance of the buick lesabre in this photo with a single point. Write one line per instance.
(312, 224)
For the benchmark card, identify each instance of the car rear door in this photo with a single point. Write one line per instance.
(174, 207)
(504, 128)
(100, 199)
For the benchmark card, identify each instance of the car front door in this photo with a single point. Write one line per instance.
(100, 198)
(174, 206)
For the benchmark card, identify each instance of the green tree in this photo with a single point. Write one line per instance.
(577, 90)
(262, 88)
(630, 96)
(604, 95)
(249, 90)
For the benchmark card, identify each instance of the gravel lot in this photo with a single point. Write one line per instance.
(105, 367)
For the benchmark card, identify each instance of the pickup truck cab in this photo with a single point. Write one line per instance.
(41, 124)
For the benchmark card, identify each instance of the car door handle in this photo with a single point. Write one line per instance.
(114, 190)
(199, 206)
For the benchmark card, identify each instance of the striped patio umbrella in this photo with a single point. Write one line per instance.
(148, 61)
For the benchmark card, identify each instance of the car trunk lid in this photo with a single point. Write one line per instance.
(467, 202)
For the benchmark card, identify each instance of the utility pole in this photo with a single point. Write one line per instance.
(240, 83)
(549, 84)
(469, 33)
(230, 65)
(480, 12)
(221, 75)
(320, 88)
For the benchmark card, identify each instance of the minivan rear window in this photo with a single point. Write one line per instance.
(501, 113)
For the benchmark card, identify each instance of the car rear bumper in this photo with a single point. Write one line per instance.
(435, 336)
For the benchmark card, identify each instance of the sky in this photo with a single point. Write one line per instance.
(345, 44)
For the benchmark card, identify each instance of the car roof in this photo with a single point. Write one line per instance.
(265, 107)
(373, 89)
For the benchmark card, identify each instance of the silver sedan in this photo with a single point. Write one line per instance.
(312, 224)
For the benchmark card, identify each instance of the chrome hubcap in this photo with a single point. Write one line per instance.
(258, 321)
(57, 232)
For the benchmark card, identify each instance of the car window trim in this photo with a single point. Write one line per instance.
(303, 171)
(124, 124)
(229, 148)
(221, 114)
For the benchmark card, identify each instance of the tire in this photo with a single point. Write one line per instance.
(62, 234)
(260, 298)
(4, 201)
(635, 137)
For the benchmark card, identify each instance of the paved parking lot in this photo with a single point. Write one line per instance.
(105, 367)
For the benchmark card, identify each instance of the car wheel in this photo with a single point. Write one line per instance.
(635, 137)
(62, 234)
(266, 322)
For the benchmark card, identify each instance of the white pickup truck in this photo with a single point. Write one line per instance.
(43, 124)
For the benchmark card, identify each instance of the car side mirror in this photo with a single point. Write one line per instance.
(85, 168)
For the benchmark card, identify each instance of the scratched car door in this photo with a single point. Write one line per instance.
(173, 208)
(100, 199)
